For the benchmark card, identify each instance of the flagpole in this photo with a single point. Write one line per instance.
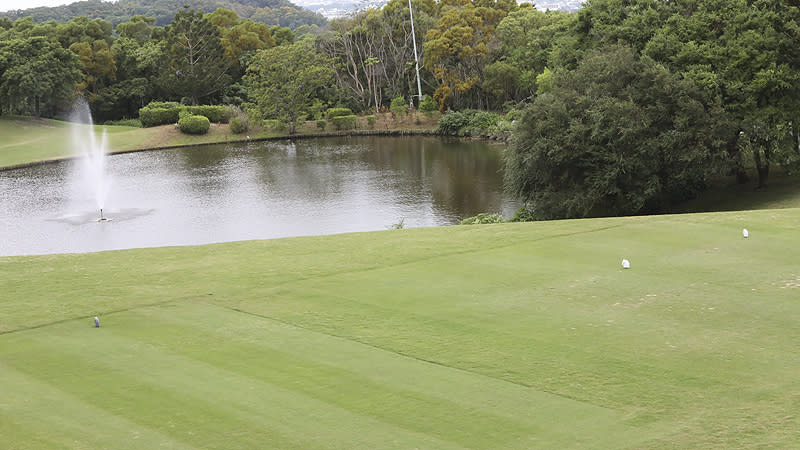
(416, 58)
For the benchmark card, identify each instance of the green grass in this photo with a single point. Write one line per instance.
(26, 140)
(498, 336)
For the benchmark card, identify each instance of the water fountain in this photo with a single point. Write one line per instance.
(92, 180)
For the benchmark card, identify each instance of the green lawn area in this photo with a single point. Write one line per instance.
(509, 336)
(26, 140)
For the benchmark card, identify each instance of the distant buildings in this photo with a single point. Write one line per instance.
(338, 8)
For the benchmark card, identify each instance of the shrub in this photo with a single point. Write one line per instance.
(239, 125)
(452, 122)
(399, 106)
(472, 122)
(214, 113)
(429, 105)
(502, 129)
(254, 115)
(345, 122)
(124, 123)
(523, 214)
(338, 112)
(275, 125)
(151, 116)
(371, 119)
(321, 124)
(480, 121)
(165, 105)
(161, 113)
(482, 218)
(194, 124)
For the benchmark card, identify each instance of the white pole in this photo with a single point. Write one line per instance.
(416, 59)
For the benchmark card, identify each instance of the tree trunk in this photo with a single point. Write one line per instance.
(735, 155)
(37, 112)
(762, 165)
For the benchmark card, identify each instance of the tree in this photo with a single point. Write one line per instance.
(240, 37)
(197, 58)
(457, 49)
(747, 52)
(287, 79)
(37, 72)
(619, 135)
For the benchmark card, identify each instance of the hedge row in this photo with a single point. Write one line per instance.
(162, 113)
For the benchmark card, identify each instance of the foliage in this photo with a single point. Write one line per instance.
(239, 125)
(345, 122)
(198, 68)
(124, 123)
(428, 105)
(193, 124)
(321, 124)
(36, 74)
(473, 123)
(452, 122)
(399, 106)
(457, 48)
(270, 12)
(371, 119)
(161, 113)
(338, 112)
(619, 135)
(523, 214)
(214, 113)
(153, 115)
(482, 219)
(288, 79)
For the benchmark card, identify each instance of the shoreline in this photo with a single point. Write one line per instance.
(386, 133)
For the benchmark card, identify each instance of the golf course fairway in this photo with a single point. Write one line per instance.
(507, 336)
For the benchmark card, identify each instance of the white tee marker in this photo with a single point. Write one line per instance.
(626, 264)
(745, 233)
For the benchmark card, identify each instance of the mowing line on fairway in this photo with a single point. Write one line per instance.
(101, 313)
(446, 255)
(413, 357)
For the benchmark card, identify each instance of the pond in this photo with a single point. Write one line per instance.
(259, 190)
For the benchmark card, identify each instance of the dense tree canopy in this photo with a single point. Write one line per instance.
(625, 106)
(198, 67)
(618, 135)
(36, 73)
(270, 12)
(287, 79)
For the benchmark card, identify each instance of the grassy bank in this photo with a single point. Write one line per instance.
(26, 140)
(502, 336)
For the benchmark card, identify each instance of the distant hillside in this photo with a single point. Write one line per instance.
(272, 12)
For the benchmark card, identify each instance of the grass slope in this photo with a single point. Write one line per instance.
(26, 140)
(501, 336)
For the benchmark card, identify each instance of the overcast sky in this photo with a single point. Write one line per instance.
(6, 5)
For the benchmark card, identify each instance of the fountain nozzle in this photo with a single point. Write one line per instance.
(102, 219)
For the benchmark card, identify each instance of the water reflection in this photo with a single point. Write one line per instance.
(254, 191)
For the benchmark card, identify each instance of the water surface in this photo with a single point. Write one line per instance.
(259, 190)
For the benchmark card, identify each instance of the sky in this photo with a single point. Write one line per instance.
(6, 5)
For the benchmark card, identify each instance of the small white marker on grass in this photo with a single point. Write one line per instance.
(745, 233)
(96, 322)
(626, 264)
